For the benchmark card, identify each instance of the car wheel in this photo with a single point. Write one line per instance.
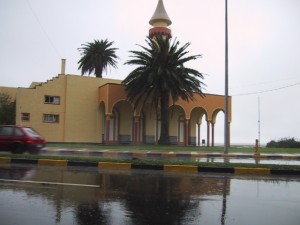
(34, 151)
(17, 148)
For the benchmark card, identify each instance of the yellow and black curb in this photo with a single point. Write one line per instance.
(171, 168)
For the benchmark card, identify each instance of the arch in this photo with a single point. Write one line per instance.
(177, 127)
(197, 131)
(124, 124)
(215, 113)
(150, 124)
(218, 127)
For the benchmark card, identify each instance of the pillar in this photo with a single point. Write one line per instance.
(199, 137)
(186, 132)
(212, 134)
(208, 133)
(107, 128)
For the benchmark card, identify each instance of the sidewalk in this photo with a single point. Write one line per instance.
(165, 154)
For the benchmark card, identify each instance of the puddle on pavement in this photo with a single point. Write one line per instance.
(147, 197)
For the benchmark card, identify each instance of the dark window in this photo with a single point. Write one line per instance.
(52, 100)
(25, 116)
(18, 132)
(51, 118)
(6, 131)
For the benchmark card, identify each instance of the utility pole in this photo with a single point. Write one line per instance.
(258, 120)
(226, 130)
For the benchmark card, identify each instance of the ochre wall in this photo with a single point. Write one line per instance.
(79, 114)
(80, 117)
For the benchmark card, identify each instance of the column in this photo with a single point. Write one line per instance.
(208, 133)
(212, 134)
(199, 137)
(186, 132)
(107, 129)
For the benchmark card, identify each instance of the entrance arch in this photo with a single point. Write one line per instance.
(122, 122)
(198, 135)
(177, 126)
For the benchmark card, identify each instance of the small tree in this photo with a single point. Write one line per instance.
(7, 110)
(96, 57)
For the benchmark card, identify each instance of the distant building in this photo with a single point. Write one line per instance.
(78, 109)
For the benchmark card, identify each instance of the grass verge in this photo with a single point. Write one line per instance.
(159, 162)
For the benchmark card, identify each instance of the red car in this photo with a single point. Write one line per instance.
(19, 139)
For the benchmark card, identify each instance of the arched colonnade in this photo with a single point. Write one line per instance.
(124, 124)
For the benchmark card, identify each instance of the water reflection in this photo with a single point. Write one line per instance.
(135, 197)
(250, 160)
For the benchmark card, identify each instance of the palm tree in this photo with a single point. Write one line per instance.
(96, 57)
(160, 75)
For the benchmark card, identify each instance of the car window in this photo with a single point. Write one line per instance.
(31, 132)
(6, 131)
(18, 132)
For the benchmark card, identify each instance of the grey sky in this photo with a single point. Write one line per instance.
(263, 50)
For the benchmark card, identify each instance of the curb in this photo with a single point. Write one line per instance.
(170, 168)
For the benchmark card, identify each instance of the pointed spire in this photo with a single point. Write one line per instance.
(160, 21)
(160, 16)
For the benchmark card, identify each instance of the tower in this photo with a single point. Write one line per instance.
(160, 21)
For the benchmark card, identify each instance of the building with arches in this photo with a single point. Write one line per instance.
(78, 109)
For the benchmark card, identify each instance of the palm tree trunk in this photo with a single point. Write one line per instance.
(164, 119)
(98, 72)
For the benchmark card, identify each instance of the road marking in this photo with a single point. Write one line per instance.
(49, 183)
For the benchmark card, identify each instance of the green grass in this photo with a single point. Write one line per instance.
(158, 162)
(175, 148)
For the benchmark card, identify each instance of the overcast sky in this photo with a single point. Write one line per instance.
(263, 50)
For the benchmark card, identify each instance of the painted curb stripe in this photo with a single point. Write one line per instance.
(147, 167)
(85, 164)
(5, 160)
(180, 168)
(109, 165)
(285, 172)
(128, 166)
(241, 170)
(215, 169)
(50, 162)
(24, 161)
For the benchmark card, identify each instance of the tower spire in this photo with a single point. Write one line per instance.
(160, 21)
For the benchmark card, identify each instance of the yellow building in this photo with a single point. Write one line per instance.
(78, 109)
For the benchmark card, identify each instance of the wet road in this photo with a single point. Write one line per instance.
(60, 195)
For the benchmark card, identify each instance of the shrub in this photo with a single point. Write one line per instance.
(284, 143)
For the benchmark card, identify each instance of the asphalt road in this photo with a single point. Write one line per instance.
(79, 195)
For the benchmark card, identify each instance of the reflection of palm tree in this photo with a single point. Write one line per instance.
(160, 203)
(90, 214)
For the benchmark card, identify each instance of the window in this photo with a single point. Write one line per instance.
(52, 100)
(51, 118)
(25, 116)
(6, 131)
(18, 132)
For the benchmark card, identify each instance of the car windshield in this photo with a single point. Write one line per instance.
(31, 132)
